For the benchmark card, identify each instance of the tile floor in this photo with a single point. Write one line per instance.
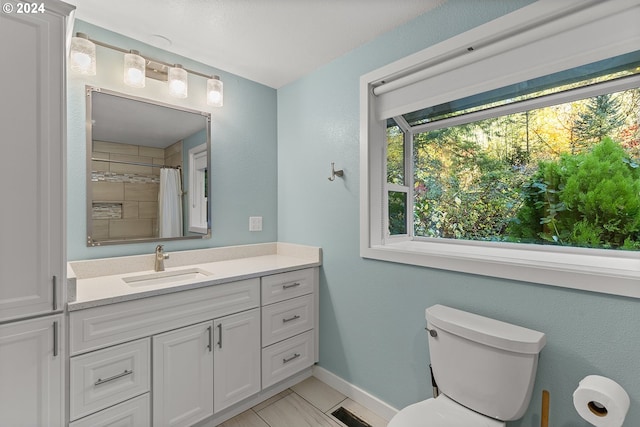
(307, 404)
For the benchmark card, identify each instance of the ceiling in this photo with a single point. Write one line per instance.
(273, 42)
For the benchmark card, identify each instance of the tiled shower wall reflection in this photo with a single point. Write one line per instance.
(125, 197)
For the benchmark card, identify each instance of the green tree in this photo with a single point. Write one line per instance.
(601, 118)
(590, 199)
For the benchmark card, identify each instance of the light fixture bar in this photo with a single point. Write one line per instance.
(148, 59)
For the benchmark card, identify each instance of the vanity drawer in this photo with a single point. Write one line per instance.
(132, 413)
(281, 360)
(286, 319)
(106, 377)
(279, 287)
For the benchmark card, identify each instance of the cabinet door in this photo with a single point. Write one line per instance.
(31, 373)
(236, 358)
(183, 376)
(32, 119)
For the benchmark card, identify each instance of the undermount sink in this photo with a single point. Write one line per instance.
(166, 277)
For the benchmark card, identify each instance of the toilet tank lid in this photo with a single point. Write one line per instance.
(485, 330)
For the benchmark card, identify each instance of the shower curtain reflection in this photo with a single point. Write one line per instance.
(170, 203)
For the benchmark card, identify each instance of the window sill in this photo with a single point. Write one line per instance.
(594, 271)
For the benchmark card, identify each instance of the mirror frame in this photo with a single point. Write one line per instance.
(89, 147)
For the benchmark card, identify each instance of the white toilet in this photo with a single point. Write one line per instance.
(484, 369)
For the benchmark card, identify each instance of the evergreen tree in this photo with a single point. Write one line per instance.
(601, 118)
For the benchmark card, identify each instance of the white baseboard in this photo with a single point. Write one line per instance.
(355, 393)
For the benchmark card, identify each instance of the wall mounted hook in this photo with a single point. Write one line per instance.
(335, 172)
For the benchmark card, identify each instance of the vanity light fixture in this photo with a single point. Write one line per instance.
(82, 55)
(82, 59)
(215, 95)
(134, 69)
(178, 81)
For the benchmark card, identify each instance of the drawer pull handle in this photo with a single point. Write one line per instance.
(287, 360)
(294, 317)
(115, 377)
(210, 334)
(219, 335)
(292, 285)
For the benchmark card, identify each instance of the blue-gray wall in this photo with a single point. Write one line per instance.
(371, 312)
(244, 146)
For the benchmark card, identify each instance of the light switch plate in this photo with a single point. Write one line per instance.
(255, 223)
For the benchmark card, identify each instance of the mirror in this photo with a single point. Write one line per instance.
(147, 170)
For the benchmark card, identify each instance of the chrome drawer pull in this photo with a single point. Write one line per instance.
(294, 317)
(293, 285)
(295, 356)
(115, 377)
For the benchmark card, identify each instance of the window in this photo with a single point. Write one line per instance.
(511, 176)
(508, 162)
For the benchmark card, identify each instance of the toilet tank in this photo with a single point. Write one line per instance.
(481, 363)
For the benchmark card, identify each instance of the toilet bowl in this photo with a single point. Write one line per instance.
(484, 368)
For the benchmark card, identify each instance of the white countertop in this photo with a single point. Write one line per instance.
(90, 288)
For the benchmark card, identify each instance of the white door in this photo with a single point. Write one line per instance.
(182, 389)
(32, 112)
(236, 358)
(31, 386)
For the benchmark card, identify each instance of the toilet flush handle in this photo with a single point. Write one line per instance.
(432, 332)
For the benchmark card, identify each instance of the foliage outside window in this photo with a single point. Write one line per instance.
(564, 173)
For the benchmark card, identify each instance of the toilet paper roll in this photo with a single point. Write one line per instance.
(601, 401)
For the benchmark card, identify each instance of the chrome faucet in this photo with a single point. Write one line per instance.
(160, 257)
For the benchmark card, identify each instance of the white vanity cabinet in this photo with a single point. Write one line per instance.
(236, 362)
(183, 376)
(197, 355)
(168, 345)
(109, 376)
(289, 319)
(32, 120)
(31, 386)
(32, 223)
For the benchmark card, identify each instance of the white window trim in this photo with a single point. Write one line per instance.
(545, 21)
(197, 203)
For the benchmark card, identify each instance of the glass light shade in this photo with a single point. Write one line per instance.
(82, 56)
(134, 69)
(215, 95)
(178, 81)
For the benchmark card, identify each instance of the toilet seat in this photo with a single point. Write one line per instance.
(441, 412)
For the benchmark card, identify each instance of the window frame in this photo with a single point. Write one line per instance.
(598, 270)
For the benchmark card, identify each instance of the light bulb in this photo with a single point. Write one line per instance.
(82, 55)
(178, 81)
(134, 69)
(215, 96)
